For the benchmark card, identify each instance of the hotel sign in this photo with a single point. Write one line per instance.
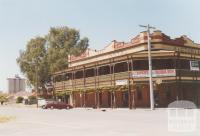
(155, 73)
(194, 65)
(121, 82)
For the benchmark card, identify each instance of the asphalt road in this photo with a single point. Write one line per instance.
(88, 122)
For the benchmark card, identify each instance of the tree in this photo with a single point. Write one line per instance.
(63, 41)
(45, 55)
(19, 99)
(33, 62)
(3, 98)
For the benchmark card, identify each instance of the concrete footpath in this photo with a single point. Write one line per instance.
(88, 122)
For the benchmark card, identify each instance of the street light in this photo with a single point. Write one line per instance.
(148, 27)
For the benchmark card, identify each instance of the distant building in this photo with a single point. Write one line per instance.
(16, 84)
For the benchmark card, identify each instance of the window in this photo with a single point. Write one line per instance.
(89, 72)
(79, 74)
(121, 67)
(184, 64)
(58, 78)
(156, 64)
(162, 64)
(67, 76)
(104, 70)
(140, 65)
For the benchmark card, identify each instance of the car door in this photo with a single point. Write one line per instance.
(62, 105)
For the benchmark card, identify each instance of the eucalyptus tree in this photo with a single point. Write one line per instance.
(33, 62)
(63, 41)
(45, 55)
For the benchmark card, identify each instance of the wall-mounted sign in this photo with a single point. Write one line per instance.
(155, 73)
(194, 65)
(121, 82)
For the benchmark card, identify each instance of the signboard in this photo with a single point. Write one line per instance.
(121, 82)
(155, 73)
(194, 65)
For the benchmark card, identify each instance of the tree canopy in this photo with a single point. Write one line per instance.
(3, 97)
(33, 62)
(63, 41)
(45, 55)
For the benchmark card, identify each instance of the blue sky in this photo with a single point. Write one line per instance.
(100, 20)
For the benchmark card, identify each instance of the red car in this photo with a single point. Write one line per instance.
(57, 105)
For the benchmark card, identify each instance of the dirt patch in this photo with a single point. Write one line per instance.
(4, 119)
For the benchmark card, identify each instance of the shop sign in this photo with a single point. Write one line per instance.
(121, 82)
(155, 73)
(194, 65)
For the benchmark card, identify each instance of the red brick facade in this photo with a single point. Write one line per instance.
(127, 63)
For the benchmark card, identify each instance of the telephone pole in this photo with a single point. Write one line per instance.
(148, 27)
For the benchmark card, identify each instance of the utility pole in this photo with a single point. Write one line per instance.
(148, 27)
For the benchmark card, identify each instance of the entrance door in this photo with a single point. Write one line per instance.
(156, 98)
(109, 99)
(125, 99)
(66, 99)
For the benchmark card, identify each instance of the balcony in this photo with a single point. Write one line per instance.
(139, 75)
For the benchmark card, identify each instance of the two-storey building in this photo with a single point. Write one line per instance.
(117, 76)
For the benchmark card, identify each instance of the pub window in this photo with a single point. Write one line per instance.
(79, 74)
(58, 78)
(67, 76)
(121, 67)
(130, 66)
(104, 70)
(162, 64)
(140, 64)
(55, 79)
(89, 72)
(63, 78)
(184, 64)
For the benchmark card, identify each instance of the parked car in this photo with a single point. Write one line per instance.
(41, 102)
(57, 105)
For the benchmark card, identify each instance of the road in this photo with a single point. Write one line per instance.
(88, 122)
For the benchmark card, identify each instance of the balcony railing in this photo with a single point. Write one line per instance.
(109, 79)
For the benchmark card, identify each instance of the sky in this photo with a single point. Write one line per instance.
(102, 21)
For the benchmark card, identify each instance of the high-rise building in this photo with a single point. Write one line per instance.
(16, 84)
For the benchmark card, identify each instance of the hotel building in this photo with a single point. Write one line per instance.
(117, 76)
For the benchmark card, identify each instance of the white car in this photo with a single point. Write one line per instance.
(41, 102)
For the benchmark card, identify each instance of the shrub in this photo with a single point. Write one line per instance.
(19, 99)
(32, 97)
(3, 98)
